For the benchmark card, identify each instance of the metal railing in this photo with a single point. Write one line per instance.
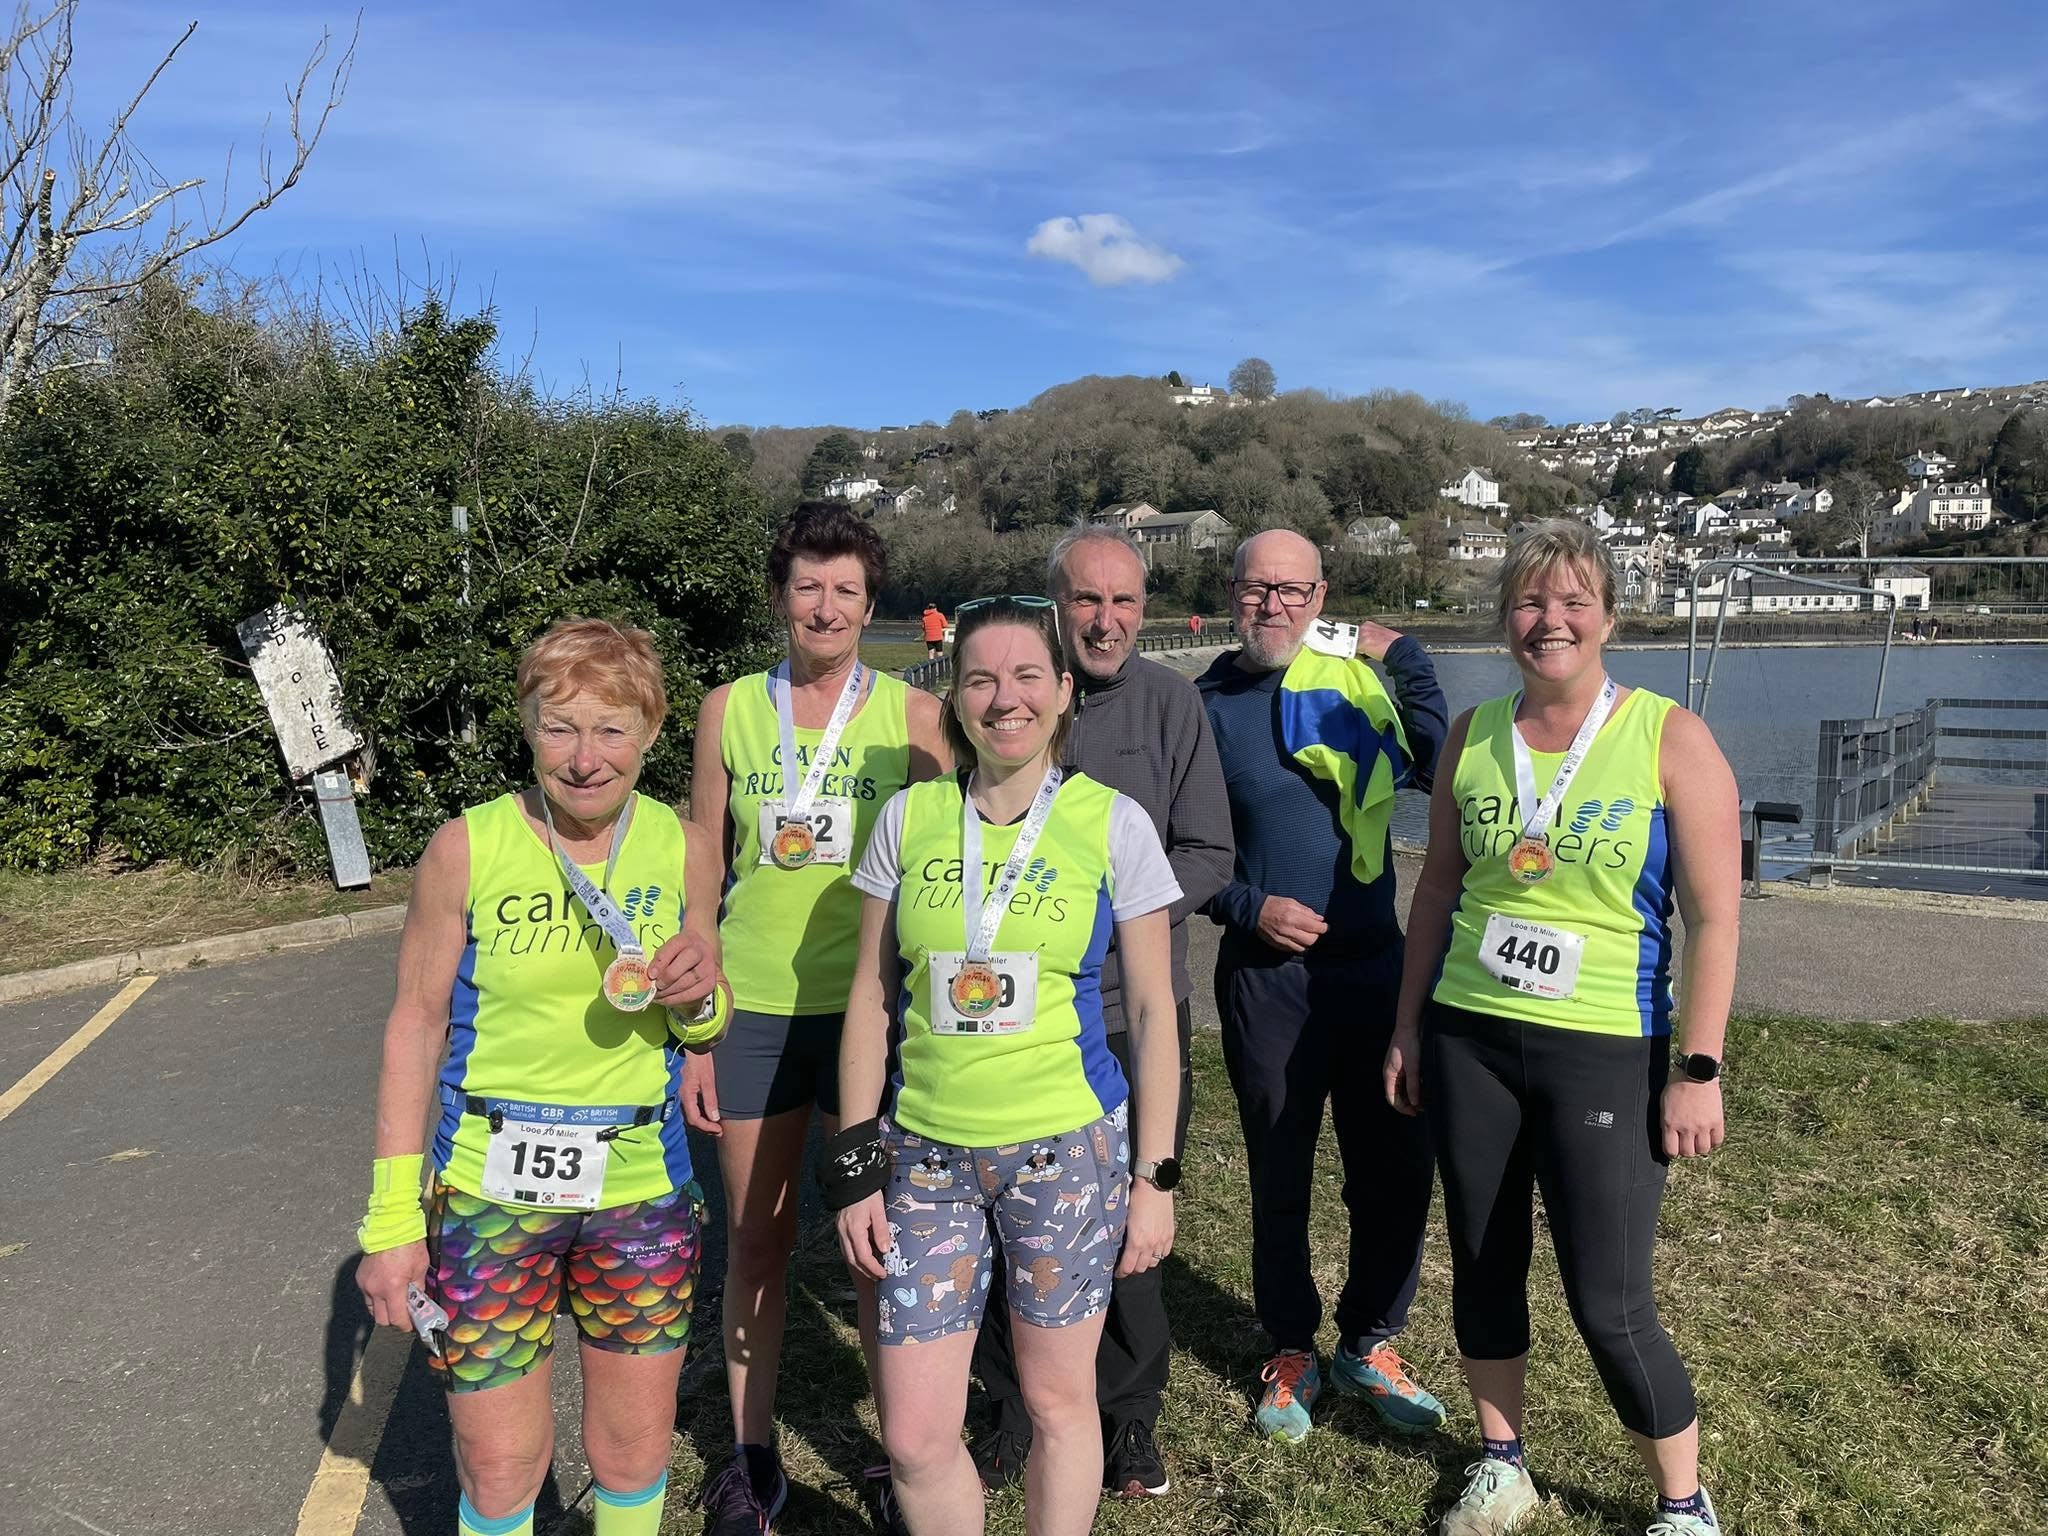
(1890, 795)
(932, 675)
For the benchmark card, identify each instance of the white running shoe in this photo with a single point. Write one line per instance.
(1494, 1502)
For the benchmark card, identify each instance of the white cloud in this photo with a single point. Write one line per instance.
(1106, 248)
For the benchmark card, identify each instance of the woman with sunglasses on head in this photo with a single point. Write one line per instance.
(997, 1129)
(794, 764)
(1570, 819)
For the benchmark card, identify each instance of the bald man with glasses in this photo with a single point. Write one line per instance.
(1310, 968)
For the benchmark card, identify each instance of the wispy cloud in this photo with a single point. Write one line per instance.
(1106, 248)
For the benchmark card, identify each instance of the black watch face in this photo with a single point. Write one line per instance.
(1702, 1069)
(1166, 1173)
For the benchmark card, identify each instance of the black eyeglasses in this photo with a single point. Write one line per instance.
(1021, 599)
(1292, 594)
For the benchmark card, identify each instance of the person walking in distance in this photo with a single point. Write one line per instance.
(1139, 728)
(1313, 749)
(934, 623)
(1570, 819)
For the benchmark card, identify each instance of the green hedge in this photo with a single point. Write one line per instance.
(219, 462)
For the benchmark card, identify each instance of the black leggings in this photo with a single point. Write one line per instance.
(1515, 1105)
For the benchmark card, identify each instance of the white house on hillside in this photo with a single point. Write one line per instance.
(1376, 536)
(1928, 466)
(852, 487)
(1168, 534)
(1123, 514)
(1473, 489)
(1954, 505)
(1477, 541)
(1201, 394)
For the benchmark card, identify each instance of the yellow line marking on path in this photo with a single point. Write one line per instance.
(63, 1056)
(335, 1501)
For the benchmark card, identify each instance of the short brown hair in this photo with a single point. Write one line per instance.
(826, 530)
(1538, 548)
(614, 662)
(1042, 621)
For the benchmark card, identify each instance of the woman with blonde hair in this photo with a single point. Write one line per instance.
(560, 955)
(1570, 820)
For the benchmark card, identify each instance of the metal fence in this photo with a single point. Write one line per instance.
(933, 675)
(1929, 790)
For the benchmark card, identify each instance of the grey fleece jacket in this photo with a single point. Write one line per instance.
(1144, 733)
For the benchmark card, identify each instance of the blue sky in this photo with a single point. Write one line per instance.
(875, 214)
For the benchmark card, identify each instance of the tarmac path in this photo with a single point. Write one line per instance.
(181, 1331)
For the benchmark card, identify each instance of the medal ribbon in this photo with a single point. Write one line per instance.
(1538, 814)
(982, 919)
(595, 899)
(799, 809)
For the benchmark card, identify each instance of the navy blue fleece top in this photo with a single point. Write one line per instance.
(1290, 841)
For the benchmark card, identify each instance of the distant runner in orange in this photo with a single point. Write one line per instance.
(934, 632)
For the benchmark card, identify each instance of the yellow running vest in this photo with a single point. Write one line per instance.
(1611, 885)
(528, 1024)
(788, 935)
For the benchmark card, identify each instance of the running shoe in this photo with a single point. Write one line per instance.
(1668, 1524)
(878, 1494)
(999, 1457)
(1496, 1499)
(1133, 1469)
(1381, 1377)
(733, 1506)
(1293, 1383)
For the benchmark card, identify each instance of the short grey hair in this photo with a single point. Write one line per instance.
(1085, 533)
(1540, 547)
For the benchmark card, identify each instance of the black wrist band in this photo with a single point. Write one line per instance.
(855, 1165)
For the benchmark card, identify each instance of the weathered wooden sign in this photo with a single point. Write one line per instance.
(302, 691)
(300, 687)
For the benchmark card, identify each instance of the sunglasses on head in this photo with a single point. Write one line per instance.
(1021, 599)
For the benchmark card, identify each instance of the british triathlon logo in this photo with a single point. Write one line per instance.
(640, 900)
(1591, 811)
(1039, 875)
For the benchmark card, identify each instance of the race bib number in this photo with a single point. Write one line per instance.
(1530, 957)
(536, 1162)
(998, 996)
(1332, 637)
(831, 825)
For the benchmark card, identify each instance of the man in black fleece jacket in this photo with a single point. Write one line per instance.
(1139, 728)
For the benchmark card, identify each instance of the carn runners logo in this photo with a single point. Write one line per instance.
(640, 900)
(1589, 811)
(1039, 875)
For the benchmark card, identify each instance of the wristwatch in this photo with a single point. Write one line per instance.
(1700, 1067)
(1162, 1175)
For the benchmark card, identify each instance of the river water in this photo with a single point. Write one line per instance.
(1768, 701)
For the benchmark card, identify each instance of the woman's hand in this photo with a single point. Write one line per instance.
(1693, 1120)
(700, 1094)
(864, 1239)
(1401, 1073)
(684, 971)
(383, 1278)
(1148, 1234)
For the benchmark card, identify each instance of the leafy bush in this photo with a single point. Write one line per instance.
(223, 460)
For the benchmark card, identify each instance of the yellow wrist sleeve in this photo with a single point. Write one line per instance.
(395, 1216)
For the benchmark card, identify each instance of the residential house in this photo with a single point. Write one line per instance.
(899, 501)
(1169, 536)
(852, 487)
(1474, 488)
(1929, 466)
(1477, 541)
(1956, 505)
(1201, 394)
(1908, 586)
(1715, 590)
(1799, 501)
(1376, 536)
(1781, 594)
(1122, 515)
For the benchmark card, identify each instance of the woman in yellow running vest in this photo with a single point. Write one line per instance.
(992, 1123)
(1569, 820)
(793, 766)
(559, 946)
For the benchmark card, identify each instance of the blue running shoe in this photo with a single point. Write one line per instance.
(1293, 1383)
(1382, 1379)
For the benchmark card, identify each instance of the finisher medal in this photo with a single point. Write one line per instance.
(976, 989)
(795, 844)
(1530, 860)
(627, 986)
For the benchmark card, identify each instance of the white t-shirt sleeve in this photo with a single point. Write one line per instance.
(1144, 880)
(881, 866)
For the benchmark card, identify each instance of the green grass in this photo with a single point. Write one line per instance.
(82, 913)
(1857, 1282)
(892, 655)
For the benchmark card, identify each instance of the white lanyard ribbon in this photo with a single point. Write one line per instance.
(982, 920)
(595, 899)
(1538, 814)
(799, 808)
